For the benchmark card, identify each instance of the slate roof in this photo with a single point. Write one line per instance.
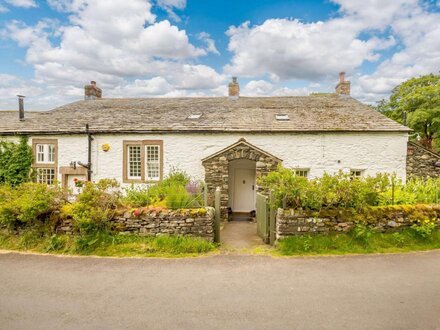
(315, 113)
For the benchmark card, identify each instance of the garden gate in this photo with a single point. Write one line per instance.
(265, 218)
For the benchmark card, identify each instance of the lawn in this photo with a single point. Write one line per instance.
(359, 242)
(104, 244)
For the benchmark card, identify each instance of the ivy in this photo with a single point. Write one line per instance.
(15, 161)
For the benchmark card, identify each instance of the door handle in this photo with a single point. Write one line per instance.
(253, 187)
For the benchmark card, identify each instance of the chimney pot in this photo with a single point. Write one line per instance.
(92, 92)
(234, 89)
(343, 87)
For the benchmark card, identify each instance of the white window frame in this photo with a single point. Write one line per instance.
(155, 162)
(46, 175)
(45, 153)
(300, 171)
(129, 160)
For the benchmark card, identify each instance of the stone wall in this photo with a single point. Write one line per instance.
(293, 223)
(422, 162)
(187, 222)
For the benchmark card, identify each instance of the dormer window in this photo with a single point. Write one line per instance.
(282, 117)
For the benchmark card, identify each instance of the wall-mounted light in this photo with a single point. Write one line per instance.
(105, 147)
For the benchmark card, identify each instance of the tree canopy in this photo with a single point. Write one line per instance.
(419, 99)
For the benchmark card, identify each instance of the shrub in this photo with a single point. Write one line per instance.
(287, 187)
(28, 203)
(95, 205)
(424, 229)
(362, 234)
(175, 191)
(342, 191)
(137, 196)
(15, 162)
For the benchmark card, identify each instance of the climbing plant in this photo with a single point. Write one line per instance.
(15, 161)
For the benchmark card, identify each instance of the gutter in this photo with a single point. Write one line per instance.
(77, 132)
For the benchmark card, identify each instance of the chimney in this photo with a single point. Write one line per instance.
(91, 92)
(343, 87)
(21, 107)
(234, 89)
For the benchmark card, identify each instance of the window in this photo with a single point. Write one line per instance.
(143, 161)
(356, 173)
(302, 172)
(46, 175)
(45, 160)
(134, 162)
(45, 153)
(152, 163)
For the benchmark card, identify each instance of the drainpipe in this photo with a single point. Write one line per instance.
(89, 154)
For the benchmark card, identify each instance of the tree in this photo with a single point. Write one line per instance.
(15, 161)
(419, 98)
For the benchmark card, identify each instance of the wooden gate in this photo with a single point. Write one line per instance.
(265, 219)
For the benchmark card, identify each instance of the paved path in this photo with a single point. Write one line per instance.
(221, 292)
(240, 235)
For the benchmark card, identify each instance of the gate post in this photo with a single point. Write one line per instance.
(217, 215)
(272, 218)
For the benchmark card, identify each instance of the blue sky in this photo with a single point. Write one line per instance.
(168, 48)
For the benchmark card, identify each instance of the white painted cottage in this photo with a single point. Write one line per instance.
(226, 141)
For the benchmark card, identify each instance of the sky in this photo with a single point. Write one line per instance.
(176, 48)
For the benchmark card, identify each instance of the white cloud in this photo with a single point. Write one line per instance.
(210, 43)
(257, 88)
(169, 5)
(22, 3)
(142, 88)
(293, 49)
(286, 49)
(120, 45)
(3, 9)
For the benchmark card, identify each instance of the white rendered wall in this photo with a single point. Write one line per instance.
(329, 152)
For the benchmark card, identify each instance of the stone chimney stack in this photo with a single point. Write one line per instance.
(343, 87)
(234, 89)
(92, 92)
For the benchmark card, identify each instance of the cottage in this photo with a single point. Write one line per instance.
(226, 141)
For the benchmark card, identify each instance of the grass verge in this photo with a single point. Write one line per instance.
(106, 244)
(355, 243)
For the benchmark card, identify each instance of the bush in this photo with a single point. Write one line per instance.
(425, 228)
(174, 192)
(15, 162)
(137, 196)
(95, 205)
(28, 203)
(342, 191)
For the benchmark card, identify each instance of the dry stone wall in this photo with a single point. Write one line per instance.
(185, 222)
(291, 222)
(422, 162)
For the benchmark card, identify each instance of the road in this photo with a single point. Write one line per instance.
(221, 292)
